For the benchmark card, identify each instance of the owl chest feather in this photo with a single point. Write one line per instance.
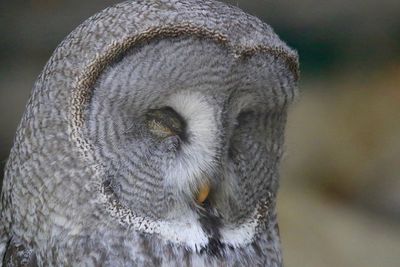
(111, 249)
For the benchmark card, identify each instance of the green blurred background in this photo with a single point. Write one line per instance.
(339, 203)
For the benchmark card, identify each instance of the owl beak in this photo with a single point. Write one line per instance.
(203, 193)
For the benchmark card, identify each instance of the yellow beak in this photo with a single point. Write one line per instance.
(203, 193)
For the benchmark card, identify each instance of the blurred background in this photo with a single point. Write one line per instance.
(339, 203)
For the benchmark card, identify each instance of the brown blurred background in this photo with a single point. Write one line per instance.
(339, 203)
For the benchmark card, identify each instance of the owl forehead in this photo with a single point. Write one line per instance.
(137, 23)
(151, 72)
(163, 65)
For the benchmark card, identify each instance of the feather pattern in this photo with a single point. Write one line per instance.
(87, 183)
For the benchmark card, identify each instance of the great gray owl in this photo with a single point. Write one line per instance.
(152, 137)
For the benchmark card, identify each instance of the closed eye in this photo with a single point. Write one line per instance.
(165, 122)
(244, 117)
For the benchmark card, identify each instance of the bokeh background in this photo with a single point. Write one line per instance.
(339, 203)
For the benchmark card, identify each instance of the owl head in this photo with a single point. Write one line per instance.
(170, 115)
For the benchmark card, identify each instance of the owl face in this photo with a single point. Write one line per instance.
(187, 132)
(153, 135)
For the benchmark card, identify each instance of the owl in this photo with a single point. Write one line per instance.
(152, 137)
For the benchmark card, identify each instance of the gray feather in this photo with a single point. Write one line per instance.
(87, 183)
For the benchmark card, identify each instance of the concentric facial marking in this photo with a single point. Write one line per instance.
(214, 111)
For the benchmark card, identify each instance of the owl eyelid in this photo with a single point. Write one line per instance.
(243, 116)
(165, 122)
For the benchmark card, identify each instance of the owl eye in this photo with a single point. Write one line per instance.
(165, 122)
(244, 117)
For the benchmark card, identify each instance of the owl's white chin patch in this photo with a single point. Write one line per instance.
(197, 155)
(186, 230)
